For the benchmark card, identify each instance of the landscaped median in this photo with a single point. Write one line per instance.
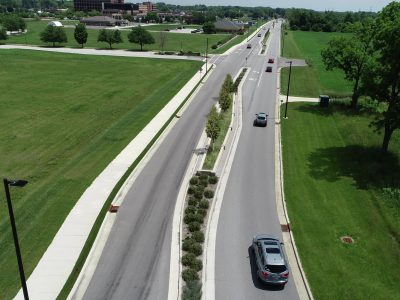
(200, 195)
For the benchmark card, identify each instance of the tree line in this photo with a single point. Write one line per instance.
(138, 35)
(370, 59)
(327, 21)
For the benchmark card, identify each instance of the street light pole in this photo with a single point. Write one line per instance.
(288, 87)
(206, 53)
(19, 183)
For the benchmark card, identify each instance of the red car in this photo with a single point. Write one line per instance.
(271, 61)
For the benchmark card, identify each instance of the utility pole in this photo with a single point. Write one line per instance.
(288, 87)
(206, 53)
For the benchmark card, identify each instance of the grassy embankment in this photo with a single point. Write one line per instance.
(174, 42)
(311, 81)
(65, 117)
(337, 183)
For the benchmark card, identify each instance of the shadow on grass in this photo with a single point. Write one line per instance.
(368, 166)
(257, 283)
(341, 106)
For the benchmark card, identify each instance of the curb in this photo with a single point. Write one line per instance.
(298, 274)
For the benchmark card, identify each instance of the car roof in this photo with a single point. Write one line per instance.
(273, 252)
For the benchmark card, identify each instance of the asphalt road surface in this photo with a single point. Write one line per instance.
(248, 206)
(136, 258)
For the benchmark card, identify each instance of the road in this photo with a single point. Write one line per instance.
(136, 258)
(248, 206)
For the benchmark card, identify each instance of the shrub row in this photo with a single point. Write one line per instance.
(238, 80)
(195, 213)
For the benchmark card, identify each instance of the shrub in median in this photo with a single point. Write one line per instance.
(194, 180)
(187, 259)
(204, 204)
(203, 176)
(189, 218)
(196, 249)
(192, 290)
(194, 226)
(203, 182)
(199, 218)
(191, 209)
(193, 201)
(197, 265)
(209, 194)
(191, 190)
(213, 179)
(202, 212)
(188, 244)
(198, 194)
(189, 275)
(198, 236)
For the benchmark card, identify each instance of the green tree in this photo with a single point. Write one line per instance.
(383, 80)
(351, 55)
(3, 34)
(209, 28)
(228, 83)
(14, 23)
(110, 37)
(53, 34)
(213, 127)
(80, 34)
(225, 99)
(139, 35)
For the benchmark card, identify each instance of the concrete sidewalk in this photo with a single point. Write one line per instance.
(57, 263)
(282, 98)
(106, 52)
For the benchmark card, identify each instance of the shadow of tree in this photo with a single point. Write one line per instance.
(368, 166)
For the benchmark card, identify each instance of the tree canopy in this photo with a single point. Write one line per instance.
(110, 37)
(53, 34)
(80, 34)
(139, 35)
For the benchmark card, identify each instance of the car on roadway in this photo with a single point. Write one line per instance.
(268, 69)
(259, 35)
(248, 46)
(260, 120)
(271, 263)
(271, 60)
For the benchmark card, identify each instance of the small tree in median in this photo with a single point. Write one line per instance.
(213, 127)
(80, 34)
(110, 37)
(141, 36)
(224, 99)
(53, 34)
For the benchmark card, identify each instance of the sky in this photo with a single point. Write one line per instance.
(319, 5)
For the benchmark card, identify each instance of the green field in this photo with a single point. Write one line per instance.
(335, 179)
(64, 118)
(174, 42)
(314, 80)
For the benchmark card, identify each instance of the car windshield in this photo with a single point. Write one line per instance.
(276, 268)
(261, 117)
(272, 250)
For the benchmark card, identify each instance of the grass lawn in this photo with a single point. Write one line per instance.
(64, 118)
(189, 42)
(335, 180)
(314, 80)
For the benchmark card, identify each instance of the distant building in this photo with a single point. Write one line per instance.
(147, 7)
(88, 5)
(228, 25)
(111, 9)
(102, 21)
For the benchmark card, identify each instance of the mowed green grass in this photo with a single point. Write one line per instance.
(174, 42)
(314, 80)
(334, 176)
(64, 118)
